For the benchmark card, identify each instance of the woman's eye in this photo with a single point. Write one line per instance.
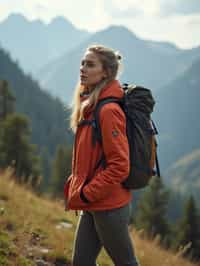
(90, 64)
(87, 64)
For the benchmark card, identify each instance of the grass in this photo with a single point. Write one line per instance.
(29, 233)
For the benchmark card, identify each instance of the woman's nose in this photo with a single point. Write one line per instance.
(82, 68)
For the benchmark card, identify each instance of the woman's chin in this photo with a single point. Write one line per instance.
(82, 82)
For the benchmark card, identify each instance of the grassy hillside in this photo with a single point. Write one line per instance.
(37, 231)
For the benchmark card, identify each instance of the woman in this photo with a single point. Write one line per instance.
(104, 202)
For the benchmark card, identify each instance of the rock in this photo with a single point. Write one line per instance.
(44, 250)
(10, 226)
(2, 211)
(40, 262)
(64, 225)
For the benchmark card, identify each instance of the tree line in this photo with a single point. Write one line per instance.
(47, 116)
(182, 234)
(30, 165)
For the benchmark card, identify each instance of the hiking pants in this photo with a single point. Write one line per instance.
(108, 229)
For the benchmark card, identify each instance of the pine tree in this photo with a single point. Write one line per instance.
(61, 169)
(16, 150)
(7, 100)
(152, 209)
(46, 169)
(189, 230)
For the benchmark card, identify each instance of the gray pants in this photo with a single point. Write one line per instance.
(104, 228)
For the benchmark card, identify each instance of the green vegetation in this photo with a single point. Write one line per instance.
(61, 169)
(16, 150)
(47, 115)
(151, 218)
(6, 248)
(30, 234)
(152, 210)
(15, 147)
(188, 230)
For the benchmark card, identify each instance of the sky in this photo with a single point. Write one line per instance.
(177, 21)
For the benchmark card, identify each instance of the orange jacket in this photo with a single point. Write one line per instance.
(102, 188)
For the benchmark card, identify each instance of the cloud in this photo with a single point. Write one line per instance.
(184, 7)
(41, 8)
(194, 22)
(131, 8)
(166, 20)
(128, 8)
(5, 7)
(50, 8)
(121, 11)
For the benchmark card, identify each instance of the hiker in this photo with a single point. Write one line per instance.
(95, 185)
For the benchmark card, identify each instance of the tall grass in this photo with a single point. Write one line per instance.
(29, 224)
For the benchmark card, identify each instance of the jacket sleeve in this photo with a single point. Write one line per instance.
(116, 151)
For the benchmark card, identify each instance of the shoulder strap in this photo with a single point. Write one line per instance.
(157, 163)
(85, 122)
(97, 136)
(96, 133)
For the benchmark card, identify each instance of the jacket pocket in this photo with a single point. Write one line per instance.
(66, 191)
(74, 191)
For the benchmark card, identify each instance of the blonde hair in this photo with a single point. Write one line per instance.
(110, 61)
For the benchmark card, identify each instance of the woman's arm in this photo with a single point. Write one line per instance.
(116, 152)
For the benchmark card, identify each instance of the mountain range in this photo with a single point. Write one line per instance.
(177, 114)
(184, 174)
(52, 53)
(148, 63)
(34, 43)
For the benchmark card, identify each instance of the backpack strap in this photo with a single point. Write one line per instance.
(96, 128)
(97, 136)
(157, 163)
(85, 122)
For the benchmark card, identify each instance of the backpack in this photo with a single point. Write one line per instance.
(137, 104)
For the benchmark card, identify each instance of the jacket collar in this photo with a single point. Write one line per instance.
(112, 89)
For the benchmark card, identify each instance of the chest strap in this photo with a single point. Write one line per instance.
(87, 123)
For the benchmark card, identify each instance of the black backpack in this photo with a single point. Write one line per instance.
(137, 105)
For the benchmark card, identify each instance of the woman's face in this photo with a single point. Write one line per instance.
(91, 70)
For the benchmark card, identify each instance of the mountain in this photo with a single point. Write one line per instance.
(163, 47)
(48, 115)
(184, 174)
(33, 43)
(147, 63)
(177, 115)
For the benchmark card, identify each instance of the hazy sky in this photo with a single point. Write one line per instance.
(177, 21)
